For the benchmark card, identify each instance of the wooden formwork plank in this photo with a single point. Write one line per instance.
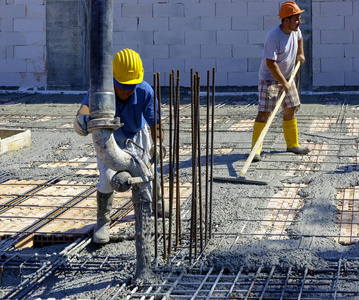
(11, 140)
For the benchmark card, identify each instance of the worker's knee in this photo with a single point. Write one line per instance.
(262, 116)
(289, 113)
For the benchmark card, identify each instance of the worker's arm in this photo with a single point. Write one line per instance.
(84, 110)
(277, 74)
(301, 56)
(157, 135)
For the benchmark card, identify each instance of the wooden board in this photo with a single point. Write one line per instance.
(11, 140)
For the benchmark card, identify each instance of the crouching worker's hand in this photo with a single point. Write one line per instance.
(80, 124)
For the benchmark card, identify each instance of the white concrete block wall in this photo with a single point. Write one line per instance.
(335, 43)
(22, 44)
(185, 34)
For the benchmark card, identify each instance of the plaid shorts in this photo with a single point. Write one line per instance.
(268, 95)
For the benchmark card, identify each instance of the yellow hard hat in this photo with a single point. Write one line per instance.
(288, 9)
(127, 67)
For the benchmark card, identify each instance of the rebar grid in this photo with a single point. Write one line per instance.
(338, 281)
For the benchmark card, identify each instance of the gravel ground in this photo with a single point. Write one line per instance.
(310, 244)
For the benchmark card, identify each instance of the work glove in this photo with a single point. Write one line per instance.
(80, 124)
(158, 150)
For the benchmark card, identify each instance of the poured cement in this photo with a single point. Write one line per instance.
(233, 204)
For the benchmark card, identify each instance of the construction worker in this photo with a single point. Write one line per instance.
(283, 47)
(135, 107)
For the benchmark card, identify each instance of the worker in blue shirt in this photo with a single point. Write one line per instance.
(135, 107)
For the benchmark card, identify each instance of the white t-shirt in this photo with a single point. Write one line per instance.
(282, 48)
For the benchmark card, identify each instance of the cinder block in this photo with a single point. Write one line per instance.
(257, 36)
(167, 65)
(315, 9)
(351, 78)
(247, 23)
(12, 38)
(351, 22)
(200, 9)
(192, 23)
(270, 22)
(168, 10)
(27, 25)
(231, 9)
(185, 51)
(35, 11)
(33, 80)
(328, 79)
(356, 8)
(335, 22)
(12, 11)
(328, 50)
(316, 62)
(153, 24)
(356, 64)
(28, 52)
(336, 36)
(117, 38)
(168, 37)
(329, 9)
(243, 79)
(316, 38)
(2, 52)
(29, 1)
(138, 37)
(254, 64)
(36, 38)
(10, 79)
(154, 51)
(337, 64)
(218, 23)
(263, 8)
(136, 10)
(12, 65)
(234, 37)
(216, 51)
(351, 50)
(147, 64)
(246, 51)
(37, 66)
(124, 24)
(232, 65)
(221, 79)
(203, 37)
(201, 66)
(185, 1)
(9, 52)
(6, 25)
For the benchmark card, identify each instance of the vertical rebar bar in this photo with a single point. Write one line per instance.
(161, 164)
(178, 198)
(212, 147)
(171, 148)
(154, 189)
(193, 162)
(198, 106)
(207, 159)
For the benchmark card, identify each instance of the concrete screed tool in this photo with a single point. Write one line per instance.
(241, 178)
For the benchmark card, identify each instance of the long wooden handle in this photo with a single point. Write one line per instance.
(266, 127)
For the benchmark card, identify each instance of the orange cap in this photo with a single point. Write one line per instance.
(288, 9)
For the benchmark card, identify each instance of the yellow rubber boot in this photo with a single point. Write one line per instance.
(257, 129)
(290, 131)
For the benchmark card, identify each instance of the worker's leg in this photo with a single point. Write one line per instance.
(290, 131)
(143, 138)
(258, 126)
(101, 234)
